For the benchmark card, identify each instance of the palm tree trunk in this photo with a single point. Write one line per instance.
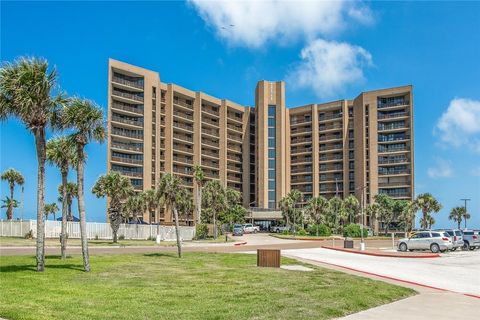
(69, 212)
(458, 224)
(10, 205)
(41, 155)
(81, 209)
(199, 204)
(63, 234)
(177, 231)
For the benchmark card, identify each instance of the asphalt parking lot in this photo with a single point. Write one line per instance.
(454, 271)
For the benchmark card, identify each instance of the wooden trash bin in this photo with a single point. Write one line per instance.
(268, 258)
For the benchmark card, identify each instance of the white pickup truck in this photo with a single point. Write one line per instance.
(250, 228)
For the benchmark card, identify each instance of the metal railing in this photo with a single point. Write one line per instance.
(127, 95)
(182, 126)
(127, 82)
(127, 134)
(127, 121)
(392, 115)
(127, 108)
(126, 146)
(127, 160)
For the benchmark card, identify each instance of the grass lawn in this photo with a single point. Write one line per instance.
(21, 242)
(198, 286)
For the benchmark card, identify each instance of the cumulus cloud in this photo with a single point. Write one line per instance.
(442, 169)
(254, 23)
(328, 66)
(460, 124)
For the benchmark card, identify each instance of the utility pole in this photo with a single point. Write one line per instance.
(465, 206)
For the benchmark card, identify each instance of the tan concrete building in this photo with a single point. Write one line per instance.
(335, 148)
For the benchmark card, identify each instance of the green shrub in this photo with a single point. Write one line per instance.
(201, 231)
(152, 238)
(96, 237)
(323, 230)
(285, 232)
(354, 231)
(29, 235)
(121, 237)
(301, 232)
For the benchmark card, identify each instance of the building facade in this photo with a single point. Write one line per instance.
(362, 146)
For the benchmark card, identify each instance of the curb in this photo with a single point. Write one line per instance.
(424, 256)
(240, 243)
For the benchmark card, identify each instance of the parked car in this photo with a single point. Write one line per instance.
(237, 230)
(471, 239)
(279, 229)
(435, 241)
(457, 238)
(250, 228)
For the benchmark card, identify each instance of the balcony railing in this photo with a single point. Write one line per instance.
(234, 168)
(392, 115)
(295, 131)
(234, 116)
(300, 121)
(209, 153)
(183, 103)
(182, 126)
(126, 146)
(330, 127)
(234, 157)
(210, 132)
(210, 111)
(330, 137)
(183, 115)
(330, 117)
(301, 140)
(182, 170)
(391, 127)
(234, 127)
(178, 147)
(234, 147)
(334, 168)
(127, 82)
(301, 170)
(391, 172)
(300, 160)
(393, 160)
(234, 137)
(234, 178)
(394, 184)
(129, 173)
(182, 137)
(127, 121)
(212, 175)
(393, 138)
(300, 150)
(127, 134)
(211, 164)
(331, 158)
(210, 143)
(127, 160)
(128, 95)
(127, 108)
(392, 149)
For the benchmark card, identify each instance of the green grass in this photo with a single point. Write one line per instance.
(198, 286)
(21, 242)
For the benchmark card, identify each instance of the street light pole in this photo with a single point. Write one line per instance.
(465, 206)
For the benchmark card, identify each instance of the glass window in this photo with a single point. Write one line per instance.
(271, 163)
(271, 132)
(271, 153)
(271, 143)
(271, 195)
(271, 122)
(271, 111)
(271, 184)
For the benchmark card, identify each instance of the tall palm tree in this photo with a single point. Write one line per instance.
(352, 206)
(117, 188)
(286, 205)
(72, 192)
(135, 206)
(13, 177)
(373, 210)
(427, 222)
(317, 208)
(296, 196)
(9, 203)
(428, 205)
(169, 195)
(214, 198)
(61, 153)
(87, 121)
(185, 204)
(199, 178)
(51, 208)
(26, 88)
(457, 215)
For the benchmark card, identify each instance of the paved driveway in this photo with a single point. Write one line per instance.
(456, 271)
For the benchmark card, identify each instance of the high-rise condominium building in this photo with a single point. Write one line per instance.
(362, 146)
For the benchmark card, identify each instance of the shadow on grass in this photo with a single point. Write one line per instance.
(158, 254)
(32, 268)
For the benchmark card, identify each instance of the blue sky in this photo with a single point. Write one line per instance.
(432, 45)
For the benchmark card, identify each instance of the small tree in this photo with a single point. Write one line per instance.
(352, 207)
(318, 208)
(117, 188)
(214, 198)
(386, 214)
(407, 214)
(51, 208)
(13, 177)
(373, 210)
(337, 213)
(428, 204)
(9, 203)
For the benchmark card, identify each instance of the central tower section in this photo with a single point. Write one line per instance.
(271, 140)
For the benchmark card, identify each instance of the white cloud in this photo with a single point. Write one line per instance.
(442, 169)
(254, 23)
(328, 66)
(460, 124)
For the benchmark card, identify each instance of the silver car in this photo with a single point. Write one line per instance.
(457, 238)
(435, 241)
(471, 239)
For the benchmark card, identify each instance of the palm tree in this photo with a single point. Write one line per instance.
(286, 205)
(26, 93)
(117, 188)
(317, 208)
(428, 204)
(9, 203)
(134, 207)
(151, 202)
(51, 208)
(457, 215)
(386, 204)
(406, 210)
(199, 178)
(352, 206)
(61, 153)
(296, 196)
(427, 222)
(13, 177)
(337, 213)
(214, 198)
(169, 195)
(185, 204)
(72, 192)
(373, 210)
(87, 121)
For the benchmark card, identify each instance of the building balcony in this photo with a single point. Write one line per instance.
(331, 158)
(182, 137)
(129, 173)
(213, 133)
(395, 184)
(301, 160)
(126, 146)
(395, 115)
(330, 127)
(234, 157)
(182, 160)
(210, 164)
(234, 178)
(296, 150)
(119, 106)
(231, 167)
(234, 137)
(234, 148)
(300, 140)
(296, 131)
(128, 83)
(127, 134)
(182, 126)
(301, 170)
(393, 172)
(126, 95)
(211, 143)
(393, 160)
(331, 169)
(183, 104)
(182, 115)
(391, 127)
(234, 127)
(127, 160)
(210, 111)
(209, 153)
(182, 170)
(330, 138)
(235, 117)
(294, 122)
(335, 116)
(127, 121)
